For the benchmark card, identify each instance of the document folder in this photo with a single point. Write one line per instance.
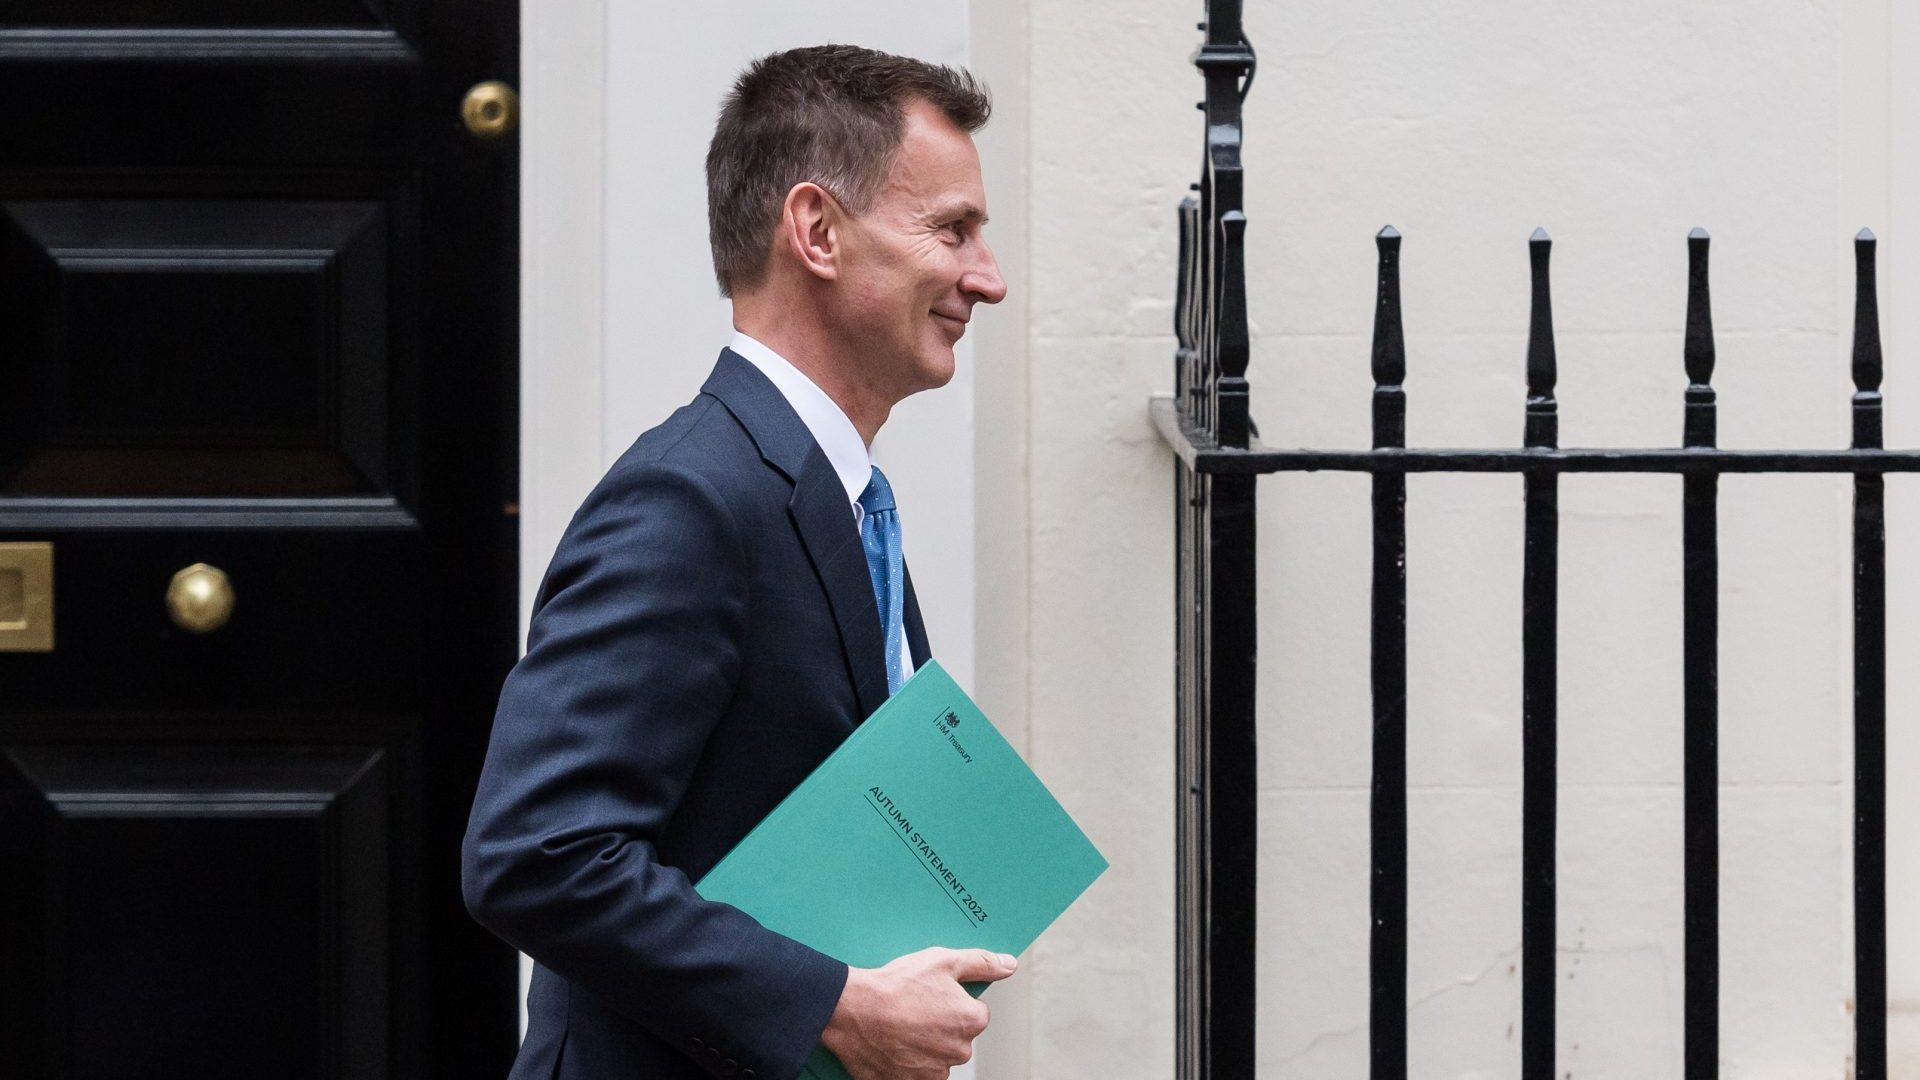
(924, 828)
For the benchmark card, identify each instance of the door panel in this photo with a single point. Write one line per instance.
(320, 101)
(194, 347)
(219, 909)
(321, 618)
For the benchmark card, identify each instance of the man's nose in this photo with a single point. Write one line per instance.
(982, 280)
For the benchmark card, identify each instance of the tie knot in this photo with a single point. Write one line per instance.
(878, 497)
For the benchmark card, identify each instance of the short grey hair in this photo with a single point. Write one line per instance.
(833, 115)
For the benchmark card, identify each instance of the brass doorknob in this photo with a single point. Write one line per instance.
(200, 599)
(491, 109)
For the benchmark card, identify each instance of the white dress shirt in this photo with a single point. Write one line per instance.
(837, 436)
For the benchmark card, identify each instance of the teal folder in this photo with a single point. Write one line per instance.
(924, 828)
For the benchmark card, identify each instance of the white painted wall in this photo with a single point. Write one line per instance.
(1465, 124)
(563, 182)
(1045, 558)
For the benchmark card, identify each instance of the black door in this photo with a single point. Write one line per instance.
(257, 535)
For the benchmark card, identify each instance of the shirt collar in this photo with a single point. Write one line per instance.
(837, 436)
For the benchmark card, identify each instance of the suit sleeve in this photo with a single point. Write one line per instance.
(632, 656)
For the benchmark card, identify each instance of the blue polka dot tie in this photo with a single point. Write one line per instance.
(880, 536)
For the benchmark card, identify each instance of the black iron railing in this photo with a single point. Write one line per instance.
(1206, 423)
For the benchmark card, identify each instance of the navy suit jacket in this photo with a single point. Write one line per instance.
(705, 635)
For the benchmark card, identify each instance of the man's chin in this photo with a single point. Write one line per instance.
(938, 372)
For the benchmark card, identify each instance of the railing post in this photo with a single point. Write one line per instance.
(1869, 685)
(1217, 838)
(1539, 652)
(1387, 948)
(1700, 659)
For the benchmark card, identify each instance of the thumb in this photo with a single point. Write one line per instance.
(979, 965)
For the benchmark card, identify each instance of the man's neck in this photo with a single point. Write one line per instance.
(820, 360)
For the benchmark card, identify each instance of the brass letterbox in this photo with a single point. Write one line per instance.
(26, 597)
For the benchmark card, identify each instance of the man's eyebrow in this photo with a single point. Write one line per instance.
(965, 212)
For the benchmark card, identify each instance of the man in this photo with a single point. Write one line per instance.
(731, 600)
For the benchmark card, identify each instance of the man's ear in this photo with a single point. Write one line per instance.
(810, 229)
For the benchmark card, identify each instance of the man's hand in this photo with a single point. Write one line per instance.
(911, 1020)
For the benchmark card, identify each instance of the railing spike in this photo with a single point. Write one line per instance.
(1543, 422)
(1186, 380)
(1698, 350)
(1867, 362)
(1389, 346)
(1866, 314)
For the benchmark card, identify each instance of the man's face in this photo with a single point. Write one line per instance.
(916, 262)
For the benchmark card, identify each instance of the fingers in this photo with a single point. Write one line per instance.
(926, 1021)
(979, 965)
(974, 1022)
(957, 1048)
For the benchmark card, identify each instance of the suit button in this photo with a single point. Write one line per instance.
(729, 1067)
(713, 1055)
(696, 1043)
(746, 1074)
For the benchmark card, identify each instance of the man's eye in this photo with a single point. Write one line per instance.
(959, 228)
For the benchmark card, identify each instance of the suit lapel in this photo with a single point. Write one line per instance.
(917, 646)
(824, 520)
(821, 516)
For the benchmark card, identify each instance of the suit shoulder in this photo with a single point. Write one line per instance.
(701, 443)
(664, 495)
(702, 427)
